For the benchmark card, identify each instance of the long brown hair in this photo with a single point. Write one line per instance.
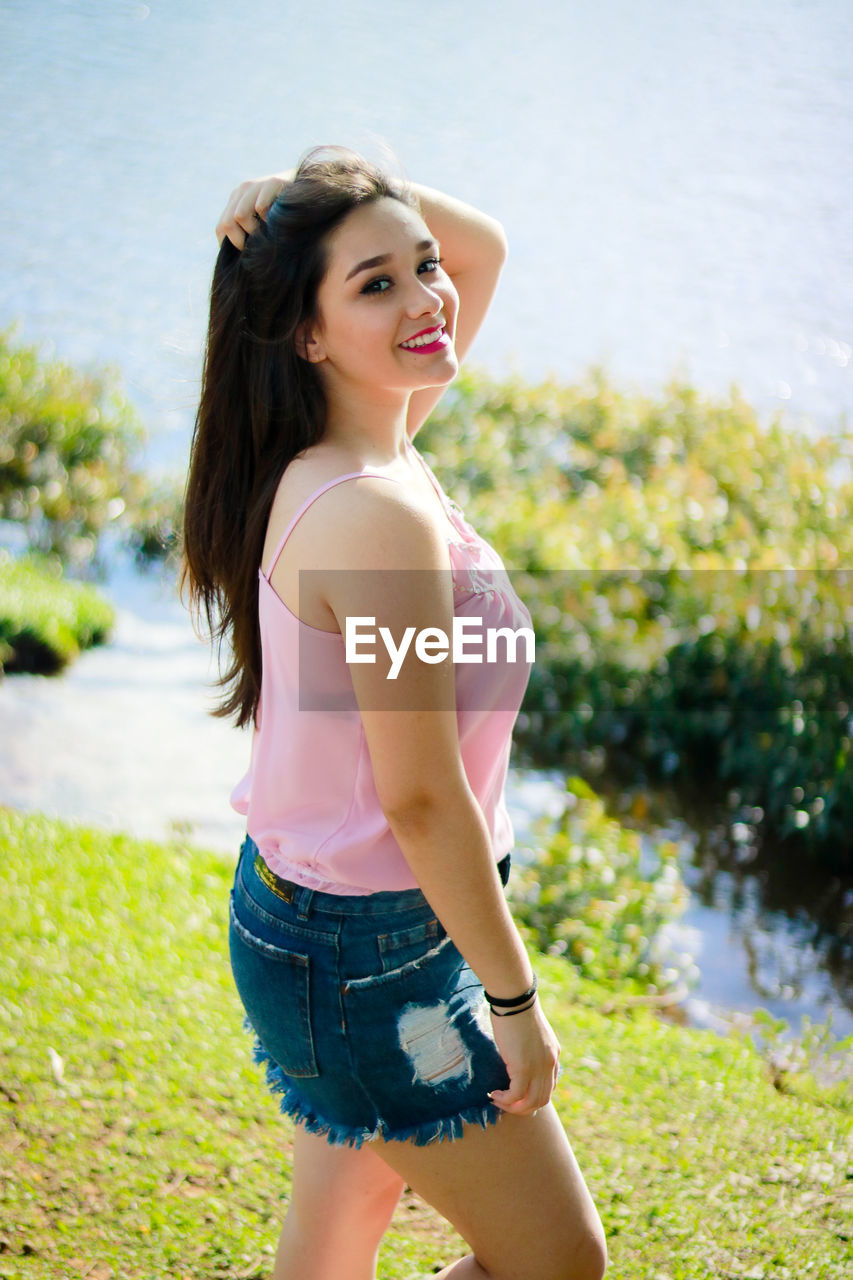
(261, 402)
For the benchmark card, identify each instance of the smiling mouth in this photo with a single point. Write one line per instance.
(430, 339)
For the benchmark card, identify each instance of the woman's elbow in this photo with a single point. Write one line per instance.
(416, 809)
(494, 242)
(501, 243)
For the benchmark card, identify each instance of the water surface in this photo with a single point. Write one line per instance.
(674, 179)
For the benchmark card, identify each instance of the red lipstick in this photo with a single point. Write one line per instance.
(441, 340)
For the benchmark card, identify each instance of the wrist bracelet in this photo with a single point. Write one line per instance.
(510, 1013)
(515, 1001)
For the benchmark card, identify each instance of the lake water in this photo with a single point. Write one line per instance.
(674, 179)
(675, 185)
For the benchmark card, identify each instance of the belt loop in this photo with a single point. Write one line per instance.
(304, 903)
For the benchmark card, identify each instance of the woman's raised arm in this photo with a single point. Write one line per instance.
(473, 250)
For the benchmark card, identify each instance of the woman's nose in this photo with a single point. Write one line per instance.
(424, 300)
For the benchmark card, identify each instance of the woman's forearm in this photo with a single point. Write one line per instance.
(447, 845)
(468, 238)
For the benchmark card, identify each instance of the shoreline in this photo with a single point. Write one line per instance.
(140, 754)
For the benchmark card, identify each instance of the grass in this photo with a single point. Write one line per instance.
(138, 1139)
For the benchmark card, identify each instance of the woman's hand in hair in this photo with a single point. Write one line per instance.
(247, 205)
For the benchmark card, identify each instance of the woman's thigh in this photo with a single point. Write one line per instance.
(515, 1193)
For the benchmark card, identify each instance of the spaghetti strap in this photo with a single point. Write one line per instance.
(443, 498)
(350, 475)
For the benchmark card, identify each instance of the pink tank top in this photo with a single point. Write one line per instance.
(309, 796)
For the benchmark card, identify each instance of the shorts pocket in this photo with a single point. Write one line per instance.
(435, 959)
(402, 945)
(274, 987)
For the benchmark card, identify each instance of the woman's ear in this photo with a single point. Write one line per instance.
(308, 344)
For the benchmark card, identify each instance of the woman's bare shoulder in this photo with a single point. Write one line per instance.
(352, 521)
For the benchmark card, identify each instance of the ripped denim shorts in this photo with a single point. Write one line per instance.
(368, 1020)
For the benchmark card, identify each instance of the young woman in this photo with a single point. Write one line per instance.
(368, 919)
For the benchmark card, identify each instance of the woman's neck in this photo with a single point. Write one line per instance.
(370, 427)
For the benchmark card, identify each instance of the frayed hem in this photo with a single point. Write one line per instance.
(292, 1104)
(444, 1130)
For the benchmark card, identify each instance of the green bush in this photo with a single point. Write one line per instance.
(585, 897)
(45, 620)
(570, 477)
(67, 446)
(760, 707)
(685, 569)
(154, 531)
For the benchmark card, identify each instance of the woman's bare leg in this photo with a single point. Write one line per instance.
(515, 1193)
(465, 1269)
(342, 1201)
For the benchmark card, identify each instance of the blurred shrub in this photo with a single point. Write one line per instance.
(155, 522)
(585, 477)
(67, 443)
(585, 896)
(687, 571)
(44, 620)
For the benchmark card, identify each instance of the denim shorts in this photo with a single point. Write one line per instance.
(367, 1018)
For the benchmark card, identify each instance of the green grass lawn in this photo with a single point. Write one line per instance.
(138, 1138)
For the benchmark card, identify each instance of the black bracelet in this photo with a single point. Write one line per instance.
(510, 1013)
(515, 1001)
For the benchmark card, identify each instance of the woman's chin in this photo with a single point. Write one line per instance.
(444, 370)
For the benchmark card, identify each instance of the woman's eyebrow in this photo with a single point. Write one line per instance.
(382, 258)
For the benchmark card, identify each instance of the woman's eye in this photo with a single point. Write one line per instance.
(383, 283)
